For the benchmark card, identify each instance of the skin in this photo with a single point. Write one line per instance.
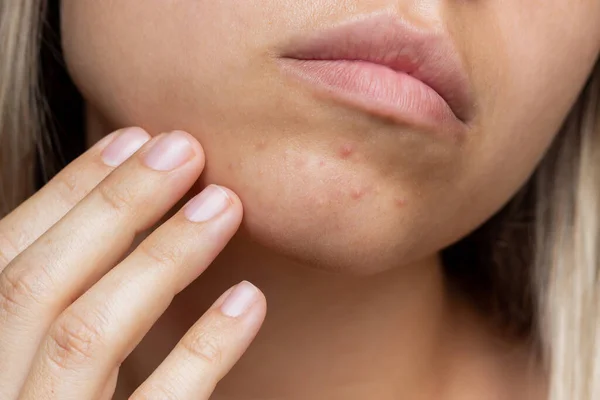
(344, 213)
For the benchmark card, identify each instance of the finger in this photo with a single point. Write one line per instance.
(209, 349)
(29, 221)
(36, 215)
(72, 255)
(99, 330)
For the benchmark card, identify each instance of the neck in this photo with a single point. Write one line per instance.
(337, 333)
(342, 332)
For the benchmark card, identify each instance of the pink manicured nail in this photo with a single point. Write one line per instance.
(208, 204)
(169, 152)
(239, 300)
(124, 146)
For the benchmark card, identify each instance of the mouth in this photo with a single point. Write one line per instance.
(386, 67)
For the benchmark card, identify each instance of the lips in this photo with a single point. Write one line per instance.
(388, 67)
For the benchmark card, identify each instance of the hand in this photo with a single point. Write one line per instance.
(69, 316)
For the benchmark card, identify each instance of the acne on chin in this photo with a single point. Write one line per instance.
(339, 177)
(346, 151)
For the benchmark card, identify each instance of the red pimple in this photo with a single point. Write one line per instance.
(400, 202)
(346, 151)
(357, 193)
(321, 163)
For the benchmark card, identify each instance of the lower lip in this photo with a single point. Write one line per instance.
(377, 90)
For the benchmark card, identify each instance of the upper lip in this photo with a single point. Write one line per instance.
(427, 55)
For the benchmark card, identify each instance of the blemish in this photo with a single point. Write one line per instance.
(400, 202)
(357, 193)
(346, 151)
(321, 163)
(230, 166)
(261, 145)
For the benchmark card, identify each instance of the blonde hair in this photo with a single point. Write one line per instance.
(536, 261)
(20, 125)
(567, 254)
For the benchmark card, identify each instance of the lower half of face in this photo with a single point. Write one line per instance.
(363, 155)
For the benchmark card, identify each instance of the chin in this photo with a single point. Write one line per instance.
(363, 239)
(324, 215)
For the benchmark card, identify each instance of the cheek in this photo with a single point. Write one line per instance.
(528, 62)
(154, 60)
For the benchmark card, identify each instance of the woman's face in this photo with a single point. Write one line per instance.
(330, 173)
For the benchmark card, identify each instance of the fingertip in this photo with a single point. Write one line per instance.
(246, 302)
(257, 298)
(196, 146)
(101, 144)
(235, 203)
(234, 199)
(261, 302)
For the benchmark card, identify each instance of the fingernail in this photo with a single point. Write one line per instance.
(169, 152)
(208, 204)
(239, 300)
(124, 146)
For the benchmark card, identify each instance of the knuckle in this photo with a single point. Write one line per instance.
(69, 187)
(203, 345)
(165, 256)
(5, 256)
(75, 339)
(119, 199)
(8, 249)
(20, 290)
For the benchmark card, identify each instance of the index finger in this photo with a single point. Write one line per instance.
(20, 228)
